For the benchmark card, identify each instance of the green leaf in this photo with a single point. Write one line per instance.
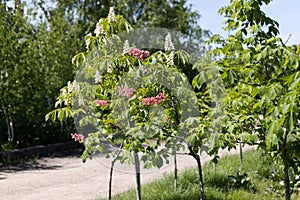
(159, 161)
(285, 109)
(272, 94)
(231, 77)
(298, 50)
(271, 137)
(256, 105)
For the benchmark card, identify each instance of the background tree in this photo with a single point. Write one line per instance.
(37, 50)
(174, 14)
(35, 64)
(261, 78)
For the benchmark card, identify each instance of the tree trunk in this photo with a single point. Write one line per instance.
(285, 155)
(137, 176)
(112, 169)
(241, 152)
(175, 172)
(110, 179)
(201, 185)
(10, 129)
(287, 184)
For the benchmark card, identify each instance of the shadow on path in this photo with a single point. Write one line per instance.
(43, 163)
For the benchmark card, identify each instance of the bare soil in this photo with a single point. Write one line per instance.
(68, 178)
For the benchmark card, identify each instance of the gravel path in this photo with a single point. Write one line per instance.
(70, 179)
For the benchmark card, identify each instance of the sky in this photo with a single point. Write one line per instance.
(285, 12)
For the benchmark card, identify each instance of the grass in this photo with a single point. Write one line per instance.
(224, 183)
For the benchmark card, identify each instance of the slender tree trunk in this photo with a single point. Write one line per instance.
(215, 165)
(286, 167)
(287, 184)
(137, 176)
(175, 172)
(137, 167)
(201, 185)
(10, 129)
(112, 169)
(241, 152)
(110, 179)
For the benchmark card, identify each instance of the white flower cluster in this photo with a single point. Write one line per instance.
(109, 69)
(99, 31)
(170, 59)
(111, 15)
(169, 46)
(98, 77)
(64, 92)
(80, 100)
(87, 41)
(73, 86)
(126, 47)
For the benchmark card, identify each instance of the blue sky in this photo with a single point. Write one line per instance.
(285, 12)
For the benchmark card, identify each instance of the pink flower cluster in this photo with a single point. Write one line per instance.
(139, 54)
(77, 137)
(154, 100)
(148, 70)
(126, 91)
(101, 103)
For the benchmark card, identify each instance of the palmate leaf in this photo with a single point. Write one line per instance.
(60, 114)
(199, 80)
(79, 59)
(272, 94)
(182, 56)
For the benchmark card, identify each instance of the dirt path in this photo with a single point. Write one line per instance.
(68, 178)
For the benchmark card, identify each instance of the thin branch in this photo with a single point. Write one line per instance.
(254, 84)
(267, 72)
(290, 35)
(112, 168)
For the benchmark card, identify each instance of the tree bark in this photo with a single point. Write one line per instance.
(137, 176)
(287, 184)
(112, 169)
(241, 152)
(175, 172)
(201, 185)
(11, 132)
(285, 155)
(110, 179)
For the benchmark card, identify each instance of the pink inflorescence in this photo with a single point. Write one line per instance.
(154, 100)
(126, 91)
(139, 54)
(101, 103)
(147, 70)
(77, 137)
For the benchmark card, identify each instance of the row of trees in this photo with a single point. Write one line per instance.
(38, 41)
(135, 102)
(35, 63)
